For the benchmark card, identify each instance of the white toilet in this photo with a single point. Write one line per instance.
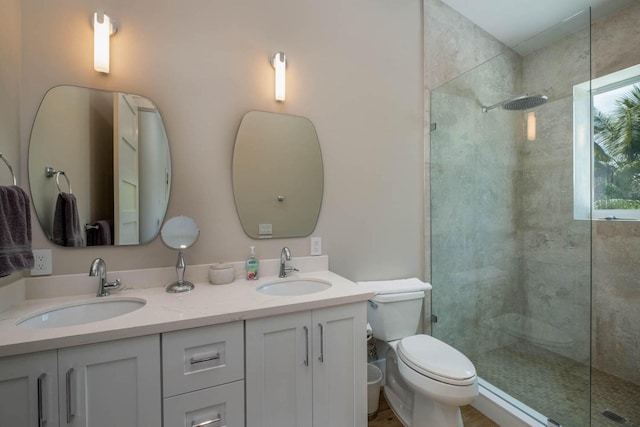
(427, 380)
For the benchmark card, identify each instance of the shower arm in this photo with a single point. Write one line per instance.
(491, 107)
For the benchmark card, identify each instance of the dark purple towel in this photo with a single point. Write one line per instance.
(66, 222)
(99, 234)
(15, 231)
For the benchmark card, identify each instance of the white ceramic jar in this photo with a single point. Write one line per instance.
(221, 274)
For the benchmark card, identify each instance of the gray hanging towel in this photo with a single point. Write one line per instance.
(15, 231)
(66, 222)
(99, 234)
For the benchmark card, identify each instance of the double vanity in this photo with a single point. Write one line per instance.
(271, 352)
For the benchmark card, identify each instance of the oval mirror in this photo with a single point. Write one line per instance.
(277, 175)
(99, 167)
(180, 232)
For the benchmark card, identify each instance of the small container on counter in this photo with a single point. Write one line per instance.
(221, 273)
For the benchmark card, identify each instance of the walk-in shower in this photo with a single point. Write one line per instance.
(523, 102)
(518, 282)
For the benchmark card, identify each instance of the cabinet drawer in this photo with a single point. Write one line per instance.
(199, 358)
(221, 406)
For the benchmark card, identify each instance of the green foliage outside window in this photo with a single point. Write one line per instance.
(617, 154)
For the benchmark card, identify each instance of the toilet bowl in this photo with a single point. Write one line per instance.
(427, 380)
(441, 378)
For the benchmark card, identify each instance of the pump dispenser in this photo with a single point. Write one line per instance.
(252, 265)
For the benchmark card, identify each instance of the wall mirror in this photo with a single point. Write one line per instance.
(99, 167)
(277, 175)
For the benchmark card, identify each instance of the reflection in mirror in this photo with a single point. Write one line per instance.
(112, 149)
(277, 175)
(180, 232)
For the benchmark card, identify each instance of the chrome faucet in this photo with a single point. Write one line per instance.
(285, 255)
(99, 268)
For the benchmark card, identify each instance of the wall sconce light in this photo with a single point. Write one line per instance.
(103, 28)
(531, 126)
(279, 62)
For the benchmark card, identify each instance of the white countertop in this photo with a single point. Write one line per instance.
(206, 305)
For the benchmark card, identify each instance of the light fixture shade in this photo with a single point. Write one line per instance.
(101, 34)
(279, 62)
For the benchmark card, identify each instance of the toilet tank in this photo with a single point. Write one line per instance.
(395, 316)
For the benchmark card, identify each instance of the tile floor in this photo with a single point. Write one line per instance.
(553, 385)
(558, 387)
(386, 418)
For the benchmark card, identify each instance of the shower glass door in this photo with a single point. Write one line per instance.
(510, 264)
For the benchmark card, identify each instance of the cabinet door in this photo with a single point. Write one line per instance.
(109, 384)
(28, 390)
(340, 366)
(278, 371)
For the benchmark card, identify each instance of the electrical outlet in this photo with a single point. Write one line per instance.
(265, 229)
(316, 246)
(42, 262)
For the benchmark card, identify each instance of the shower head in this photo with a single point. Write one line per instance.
(520, 103)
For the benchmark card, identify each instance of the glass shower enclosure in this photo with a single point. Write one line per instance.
(511, 266)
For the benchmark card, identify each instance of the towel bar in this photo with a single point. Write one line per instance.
(6, 162)
(50, 172)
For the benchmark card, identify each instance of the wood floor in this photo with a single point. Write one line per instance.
(470, 416)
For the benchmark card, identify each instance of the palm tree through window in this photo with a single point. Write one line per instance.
(616, 147)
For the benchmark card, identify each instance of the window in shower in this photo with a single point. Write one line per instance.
(607, 146)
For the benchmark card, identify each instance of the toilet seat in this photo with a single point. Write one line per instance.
(437, 360)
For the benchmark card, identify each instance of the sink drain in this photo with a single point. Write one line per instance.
(614, 417)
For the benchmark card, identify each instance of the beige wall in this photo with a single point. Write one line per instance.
(355, 70)
(10, 95)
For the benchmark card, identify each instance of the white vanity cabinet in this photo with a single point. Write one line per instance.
(307, 369)
(203, 376)
(28, 390)
(115, 383)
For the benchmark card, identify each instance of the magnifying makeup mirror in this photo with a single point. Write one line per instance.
(180, 232)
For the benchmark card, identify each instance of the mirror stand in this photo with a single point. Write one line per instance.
(179, 233)
(180, 285)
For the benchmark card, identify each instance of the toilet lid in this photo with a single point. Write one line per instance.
(436, 359)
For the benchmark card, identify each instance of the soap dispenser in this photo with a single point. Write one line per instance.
(252, 265)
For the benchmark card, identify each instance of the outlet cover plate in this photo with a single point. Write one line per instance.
(42, 262)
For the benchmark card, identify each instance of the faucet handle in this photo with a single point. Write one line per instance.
(113, 285)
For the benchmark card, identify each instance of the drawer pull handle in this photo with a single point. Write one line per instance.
(306, 337)
(206, 423)
(194, 361)
(70, 413)
(41, 419)
(321, 358)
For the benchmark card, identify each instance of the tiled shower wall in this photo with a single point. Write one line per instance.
(616, 246)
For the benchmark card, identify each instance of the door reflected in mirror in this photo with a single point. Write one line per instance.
(277, 175)
(112, 154)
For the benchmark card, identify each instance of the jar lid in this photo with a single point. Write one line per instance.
(221, 266)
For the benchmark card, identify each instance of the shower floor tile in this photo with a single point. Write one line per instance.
(558, 387)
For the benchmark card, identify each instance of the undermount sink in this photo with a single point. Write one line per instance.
(80, 313)
(292, 287)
